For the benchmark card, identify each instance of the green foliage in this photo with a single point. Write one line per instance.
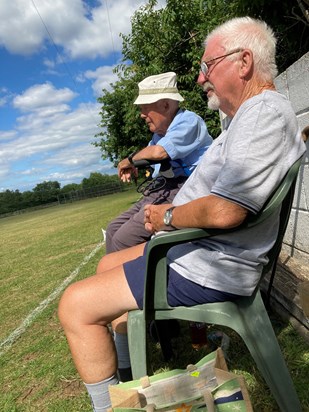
(289, 21)
(49, 192)
(122, 128)
(9, 200)
(46, 192)
(97, 179)
(70, 187)
(171, 39)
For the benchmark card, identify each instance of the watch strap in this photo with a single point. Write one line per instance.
(130, 157)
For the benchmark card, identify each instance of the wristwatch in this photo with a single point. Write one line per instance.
(168, 216)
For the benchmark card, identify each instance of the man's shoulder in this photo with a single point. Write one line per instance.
(271, 98)
(186, 114)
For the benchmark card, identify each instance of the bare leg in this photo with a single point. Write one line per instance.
(108, 262)
(118, 258)
(85, 310)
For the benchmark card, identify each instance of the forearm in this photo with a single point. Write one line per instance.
(153, 152)
(206, 212)
(209, 212)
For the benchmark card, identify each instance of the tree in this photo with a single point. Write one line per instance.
(70, 187)
(290, 21)
(122, 129)
(29, 199)
(46, 192)
(10, 201)
(97, 179)
(171, 39)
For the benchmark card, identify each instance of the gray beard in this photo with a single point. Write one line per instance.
(214, 102)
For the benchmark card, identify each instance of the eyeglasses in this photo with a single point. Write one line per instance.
(205, 67)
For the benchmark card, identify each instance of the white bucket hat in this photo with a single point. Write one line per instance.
(157, 87)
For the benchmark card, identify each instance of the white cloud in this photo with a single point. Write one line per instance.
(51, 137)
(32, 171)
(103, 77)
(73, 128)
(5, 96)
(40, 96)
(7, 135)
(3, 101)
(80, 31)
(55, 139)
(21, 31)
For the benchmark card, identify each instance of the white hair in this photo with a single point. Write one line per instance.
(249, 33)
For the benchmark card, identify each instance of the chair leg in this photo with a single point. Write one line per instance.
(137, 343)
(258, 334)
(271, 281)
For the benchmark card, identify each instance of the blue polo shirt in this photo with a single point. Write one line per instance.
(185, 141)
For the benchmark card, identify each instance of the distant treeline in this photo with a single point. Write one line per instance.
(51, 192)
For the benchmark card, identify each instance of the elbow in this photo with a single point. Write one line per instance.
(230, 221)
(160, 152)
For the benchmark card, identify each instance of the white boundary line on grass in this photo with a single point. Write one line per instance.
(8, 342)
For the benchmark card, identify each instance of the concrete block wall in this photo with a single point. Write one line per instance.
(294, 83)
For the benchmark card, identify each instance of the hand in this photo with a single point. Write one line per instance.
(126, 174)
(153, 217)
(125, 170)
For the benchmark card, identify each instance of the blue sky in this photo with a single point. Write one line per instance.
(56, 57)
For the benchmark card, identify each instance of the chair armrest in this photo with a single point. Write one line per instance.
(155, 293)
(177, 236)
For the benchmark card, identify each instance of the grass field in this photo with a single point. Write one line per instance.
(41, 252)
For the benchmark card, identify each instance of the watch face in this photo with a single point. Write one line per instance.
(167, 217)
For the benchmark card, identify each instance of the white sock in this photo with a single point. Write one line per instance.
(99, 394)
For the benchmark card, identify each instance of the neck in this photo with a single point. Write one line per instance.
(249, 91)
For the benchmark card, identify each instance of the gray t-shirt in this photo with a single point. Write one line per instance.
(243, 165)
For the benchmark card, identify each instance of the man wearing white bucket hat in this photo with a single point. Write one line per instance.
(159, 86)
(180, 138)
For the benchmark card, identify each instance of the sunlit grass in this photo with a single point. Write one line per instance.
(38, 251)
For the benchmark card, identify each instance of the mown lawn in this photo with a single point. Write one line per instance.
(39, 251)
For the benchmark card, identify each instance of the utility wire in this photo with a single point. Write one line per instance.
(110, 31)
(54, 44)
(60, 56)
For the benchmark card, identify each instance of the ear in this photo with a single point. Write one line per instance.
(164, 105)
(246, 63)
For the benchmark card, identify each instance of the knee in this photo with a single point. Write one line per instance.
(106, 262)
(70, 306)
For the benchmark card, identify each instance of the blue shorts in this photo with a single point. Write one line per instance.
(180, 291)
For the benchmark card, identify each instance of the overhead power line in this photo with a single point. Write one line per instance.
(54, 44)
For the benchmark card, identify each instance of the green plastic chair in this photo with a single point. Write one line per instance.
(247, 315)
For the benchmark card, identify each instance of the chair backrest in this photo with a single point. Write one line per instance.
(283, 196)
(155, 295)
